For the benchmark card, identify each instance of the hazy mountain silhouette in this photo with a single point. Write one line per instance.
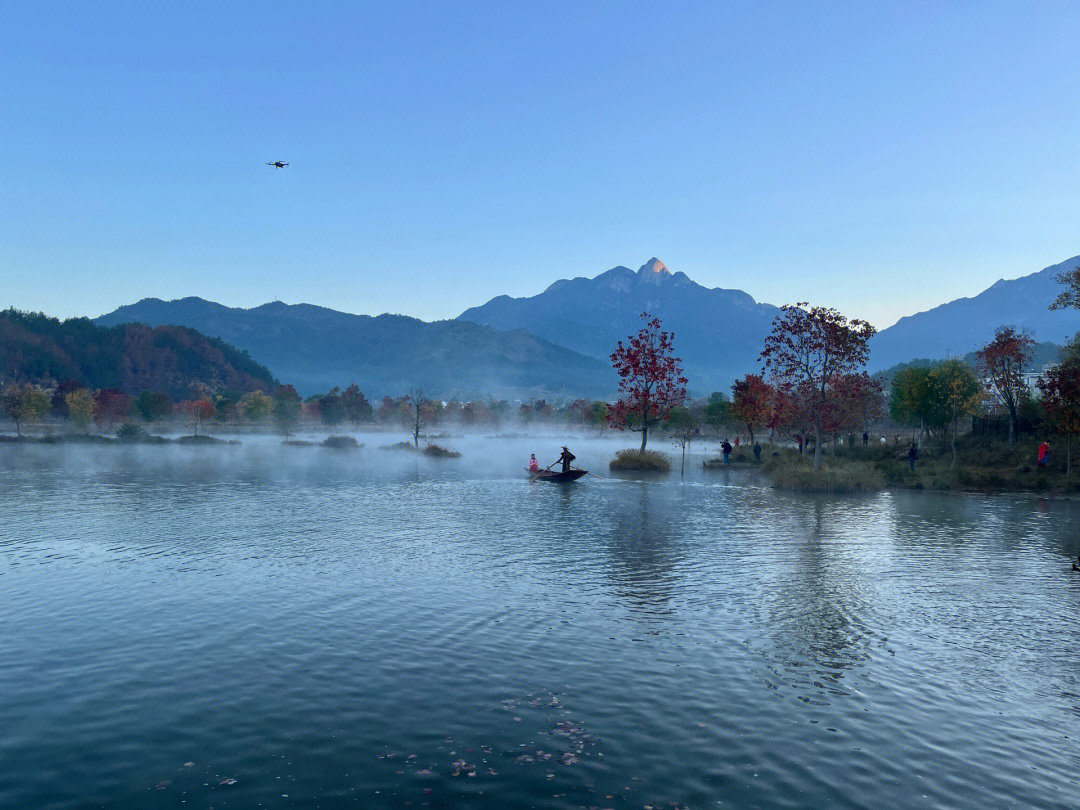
(718, 333)
(315, 348)
(966, 324)
(557, 343)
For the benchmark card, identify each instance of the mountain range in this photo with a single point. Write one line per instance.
(315, 349)
(557, 343)
(718, 332)
(965, 324)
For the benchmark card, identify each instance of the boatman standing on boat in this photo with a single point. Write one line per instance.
(565, 458)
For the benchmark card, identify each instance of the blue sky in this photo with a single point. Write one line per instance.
(881, 158)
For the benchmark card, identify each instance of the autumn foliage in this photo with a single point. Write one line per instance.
(753, 401)
(651, 380)
(1060, 387)
(807, 353)
(1002, 363)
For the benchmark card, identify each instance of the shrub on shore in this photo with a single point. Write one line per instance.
(76, 438)
(130, 432)
(641, 461)
(341, 443)
(435, 451)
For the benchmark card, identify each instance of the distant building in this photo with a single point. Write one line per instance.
(1031, 378)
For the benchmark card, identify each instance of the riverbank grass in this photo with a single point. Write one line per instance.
(640, 461)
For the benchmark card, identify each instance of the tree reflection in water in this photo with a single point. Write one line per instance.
(815, 610)
(645, 557)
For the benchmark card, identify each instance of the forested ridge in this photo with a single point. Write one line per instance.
(36, 348)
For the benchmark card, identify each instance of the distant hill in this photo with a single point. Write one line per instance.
(133, 357)
(967, 324)
(1042, 354)
(315, 348)
(718, 332)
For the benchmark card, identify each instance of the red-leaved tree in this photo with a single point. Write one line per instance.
(1001, 362)
(651, 380)
(111, 406)
(753, 400)
(1060, 388)
(857, 400)
(808, 348)
(197, 411)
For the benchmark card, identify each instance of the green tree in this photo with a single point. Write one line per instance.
(34, 404)
(955, 392)
(357, 408)
(910, 402)
(9, 405)
(226, 406)
(287, 407)
(332, 408)
(81, 407)
(717, 411)
(255, 405)
(153, 405)
(600, 413)
(24, 403)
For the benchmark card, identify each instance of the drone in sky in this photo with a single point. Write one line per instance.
(277, 164)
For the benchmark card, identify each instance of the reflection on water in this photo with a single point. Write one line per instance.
(271, 626)
(644, 557)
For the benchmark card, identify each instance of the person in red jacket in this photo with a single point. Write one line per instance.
(1044, 454)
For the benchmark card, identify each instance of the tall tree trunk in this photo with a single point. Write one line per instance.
(750, 430)
(1012, 428)
(817, 444)
(644, 435)
(956, 423)
(1068, 455)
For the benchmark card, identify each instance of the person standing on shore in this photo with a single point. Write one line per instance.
(1044, 454)
(725, 448)
(912, 454)
(865, 438)
(757, 451)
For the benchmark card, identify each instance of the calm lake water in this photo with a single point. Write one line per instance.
(259, 626)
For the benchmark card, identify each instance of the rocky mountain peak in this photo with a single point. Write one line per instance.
(654, 267)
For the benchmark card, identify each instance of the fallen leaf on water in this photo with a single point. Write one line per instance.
(229, 781)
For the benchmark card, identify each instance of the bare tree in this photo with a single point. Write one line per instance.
(417, 404)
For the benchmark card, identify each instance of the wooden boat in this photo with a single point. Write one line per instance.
(553, 475)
